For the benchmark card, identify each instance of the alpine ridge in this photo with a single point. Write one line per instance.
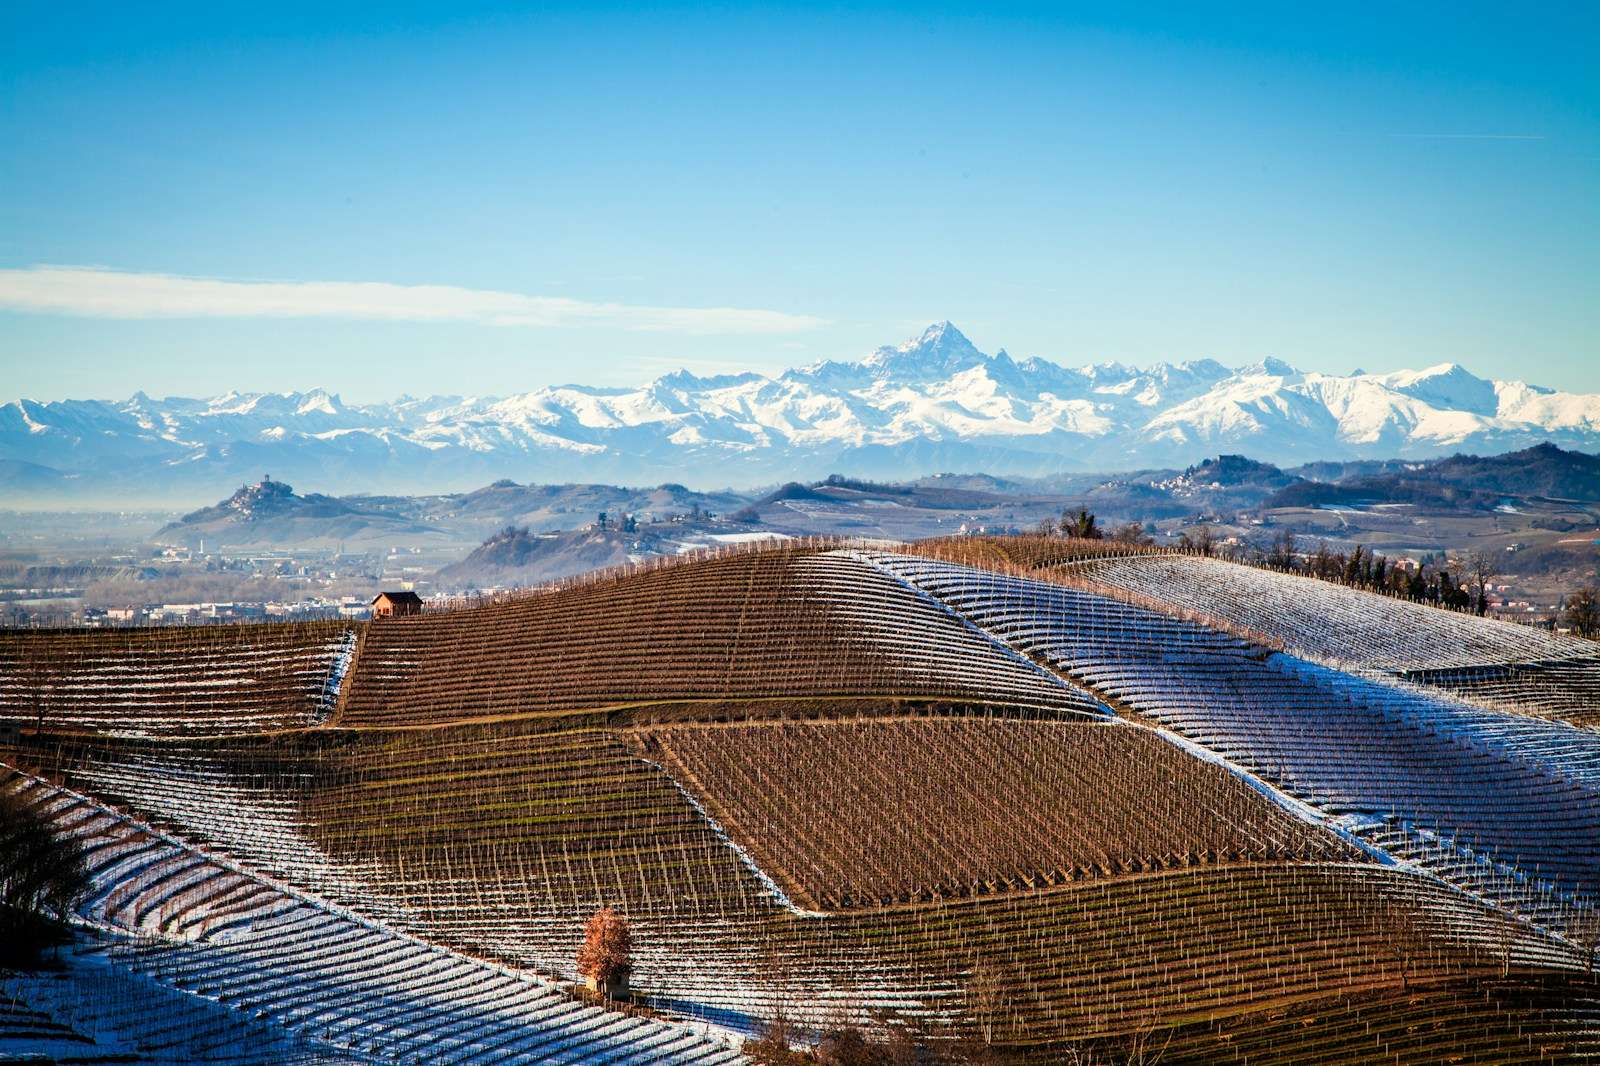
(933, 403)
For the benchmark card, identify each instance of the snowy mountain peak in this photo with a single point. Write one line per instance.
(941, 350)
(1269, 367)
(684, 380)
(940, 335)
(319, 401)
(1447, 385)
(932, 403)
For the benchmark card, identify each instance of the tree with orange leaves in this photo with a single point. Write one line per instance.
(607, 953)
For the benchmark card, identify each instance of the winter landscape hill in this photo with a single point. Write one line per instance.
(1021, 800)
(931, 404)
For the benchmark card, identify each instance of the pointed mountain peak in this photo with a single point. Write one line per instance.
(940, 334)
(319, 401)
(940, 351)
(1446, 370)
(681, 378)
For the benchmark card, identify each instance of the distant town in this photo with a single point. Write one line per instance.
(291, 585)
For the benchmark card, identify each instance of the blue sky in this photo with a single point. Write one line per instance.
(483, 200)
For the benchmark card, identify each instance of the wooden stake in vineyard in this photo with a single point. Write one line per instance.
(606, 958)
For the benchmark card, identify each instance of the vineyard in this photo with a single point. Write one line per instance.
(1512, 666)
(867, 813)
(1521, 793)
(983, 791)
(192, 679)
(225, 934)
(772, 624)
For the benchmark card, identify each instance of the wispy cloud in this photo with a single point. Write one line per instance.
(101, 293)
(1468, 136)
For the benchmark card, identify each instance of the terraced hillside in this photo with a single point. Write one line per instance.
(191, 679)
(222, 933)
(1227, 933)
(826, 784)
(1377, 757)
(1507, 665)
(770, 624)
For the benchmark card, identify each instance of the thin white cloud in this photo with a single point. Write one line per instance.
(1468, 136)
(100, 293)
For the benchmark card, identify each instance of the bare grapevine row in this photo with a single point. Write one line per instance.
(864, 813)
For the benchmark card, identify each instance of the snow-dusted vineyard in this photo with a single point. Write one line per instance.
(325, 974)
(823, 781)
(1521, 790)
(100, 1009)
(1568, 689)
(1332, 922)
(157, 682)
(1516, 666)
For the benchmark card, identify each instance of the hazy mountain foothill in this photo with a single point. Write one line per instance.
(1537, 509)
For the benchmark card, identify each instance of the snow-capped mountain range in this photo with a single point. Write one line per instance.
(934, 403)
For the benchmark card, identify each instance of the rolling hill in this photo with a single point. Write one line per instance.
(1020, 798)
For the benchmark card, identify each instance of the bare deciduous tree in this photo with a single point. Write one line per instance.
(1201, 539)
(1581, 613)
(41, 668)
(1281, 555)
(42, 876)
(1481, 567)
(1132, 533)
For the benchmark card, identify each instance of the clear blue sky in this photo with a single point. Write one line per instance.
(1339, 187)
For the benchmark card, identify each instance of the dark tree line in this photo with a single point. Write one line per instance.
(1460, 582)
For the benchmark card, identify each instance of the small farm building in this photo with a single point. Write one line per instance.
(390, 604)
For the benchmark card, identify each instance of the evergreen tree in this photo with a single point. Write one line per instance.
(1352, 566)
(1082, 524)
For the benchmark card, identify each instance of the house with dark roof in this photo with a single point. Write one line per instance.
(394, 604)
